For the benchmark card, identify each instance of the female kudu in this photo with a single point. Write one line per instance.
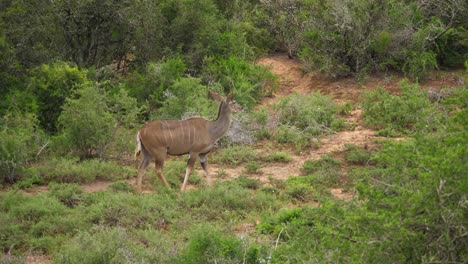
(194, 136)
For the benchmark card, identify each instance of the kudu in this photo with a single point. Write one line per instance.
(195, 136)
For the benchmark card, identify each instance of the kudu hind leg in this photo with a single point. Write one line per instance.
(141, 170)
(159, 164)
(204, 164)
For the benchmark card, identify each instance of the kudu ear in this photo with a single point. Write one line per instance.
(215, 96)
(230, 97)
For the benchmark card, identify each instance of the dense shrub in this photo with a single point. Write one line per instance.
(247, 81)
(312, 113)
(87, 123)
(52, 84)
(20, 140)
(186, 96)
(409, 112)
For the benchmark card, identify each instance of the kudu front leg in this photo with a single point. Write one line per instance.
(204, 164)
(188, 170)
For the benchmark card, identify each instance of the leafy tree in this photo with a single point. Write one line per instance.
(51, 84)
(95, 32)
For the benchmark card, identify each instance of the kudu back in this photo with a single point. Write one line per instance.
(195, 137)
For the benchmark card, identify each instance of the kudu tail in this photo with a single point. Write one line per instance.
(138, 145)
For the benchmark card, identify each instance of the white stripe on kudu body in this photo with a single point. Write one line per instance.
(202, 134)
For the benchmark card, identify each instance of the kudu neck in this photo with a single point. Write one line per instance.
(220, 126)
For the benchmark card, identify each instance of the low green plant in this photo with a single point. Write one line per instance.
(356, 155)
(325, 170)
(29, 182)
(207, 244)
(282, 157)
(69, 194)
(305, 189)
(252, 167)
(286, 134)
(67, 170)
(235, 155)
(122, 186)
(249, 183)
(101, 245)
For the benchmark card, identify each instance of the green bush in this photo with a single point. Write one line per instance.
(87, 124)
(356, 155)
(249, 183)
(252, 167)
(20, 140)
(326, 170)
(69, 194)
(185, 98)
(286, 134)
(279, 157)
(408, 112)
(209, 245)
(312, 113)
(247, 81)
(52, 84)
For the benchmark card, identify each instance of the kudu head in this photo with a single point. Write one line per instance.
(229, 101)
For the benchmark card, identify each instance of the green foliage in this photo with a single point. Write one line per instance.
(68, 194)
(409, 112)
(260, 122)
(174, 172)
(249, 183)
(102, 245)
(20, 139)
(419, 64)
(186, 96)
(209, 245)
(71, 171)
(252, 167)
(122, 186)
(247, 81)
(292, 135)
(235, 155)
(282, 157)
(356, 155)
(52, 84)
(326, 170)
(87, 123)
(312, 113)
(423, 182)
(124, 108)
